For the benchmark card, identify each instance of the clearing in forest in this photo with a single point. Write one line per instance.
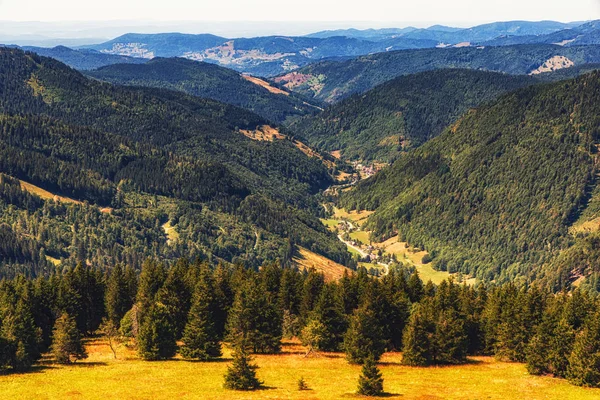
(329, 376)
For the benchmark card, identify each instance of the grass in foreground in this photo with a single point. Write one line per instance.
(328, 375)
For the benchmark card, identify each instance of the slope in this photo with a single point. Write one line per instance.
(209, 81)
(495, 194)
(331, 81)
(403, 113)
(154, 156)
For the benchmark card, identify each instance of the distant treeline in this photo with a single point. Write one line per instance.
(202, 307)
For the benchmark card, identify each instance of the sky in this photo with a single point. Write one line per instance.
(290, 17)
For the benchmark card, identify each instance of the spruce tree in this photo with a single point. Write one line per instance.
(156, 338)
(418, 338)
(370, 382)
(329, 312)
(241, 374)
(66, 342)
(118, 298)
(584, 362)
(364, 337)
(450, 338)
(200, 337)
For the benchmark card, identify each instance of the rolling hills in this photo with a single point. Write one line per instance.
(140, 158)
(331, 81)
(495, 195)
(402, 113)
(83, 59)
(209, 81)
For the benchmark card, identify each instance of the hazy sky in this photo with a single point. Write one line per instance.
(443, 11)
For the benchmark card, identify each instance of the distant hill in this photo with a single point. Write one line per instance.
(209, 81)
(403, 113)
(369, 34)
(262, 56)
(501, 193)
(585, 34)
(331, 81)
(83, 59)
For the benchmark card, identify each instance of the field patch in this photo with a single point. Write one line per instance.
(330, 269)
(265, 84)
(329, 377)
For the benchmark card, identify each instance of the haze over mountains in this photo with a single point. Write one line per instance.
(273, 55)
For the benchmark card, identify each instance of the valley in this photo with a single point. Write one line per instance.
(406, 212)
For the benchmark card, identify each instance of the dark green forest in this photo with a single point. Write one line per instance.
(340, 79)
(495, 195)
(403, 113)
(153, 156)
(209, 81)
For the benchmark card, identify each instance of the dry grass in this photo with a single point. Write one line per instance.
(263, 133)
(328, 376)
(171, 232)
(44, 194)
(266, 85)
(330, 269)
(586, 226)
(358, 217)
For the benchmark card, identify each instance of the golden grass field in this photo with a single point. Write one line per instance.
(328, 375)
(329, 268)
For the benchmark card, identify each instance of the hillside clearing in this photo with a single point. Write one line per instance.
(46, 195)
(328, 376)
(265, 84)
(330, 269)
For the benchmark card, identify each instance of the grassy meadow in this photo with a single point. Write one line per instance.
(329, 376)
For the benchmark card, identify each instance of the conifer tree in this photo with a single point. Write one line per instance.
(200, 338)
(256, 318)
(330, 313)
(370, 382)
(66, 342)
(175, 296)
(418, 338)
(241, 374)
(584, 362)
(118, 299)
(151, 280)
(156, 338)
(450, 339)
(364, 337)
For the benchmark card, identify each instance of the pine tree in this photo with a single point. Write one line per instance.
(417, 339)
(370, 382)
(256, 318)
(329, 312)
(241, 374)
(200, 338)
(66, 343)
(118, 299)
(175, 296)
(156, 338)
(450, 338)
(364, 337)
(584, 362)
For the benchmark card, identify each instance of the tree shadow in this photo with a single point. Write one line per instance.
(36, 369)
(384, 395)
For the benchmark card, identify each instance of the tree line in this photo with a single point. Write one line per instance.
(192, 309)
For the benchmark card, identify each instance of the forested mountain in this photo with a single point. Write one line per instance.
(497, 194)
(83, 59)
(154, 156)
(209, 81)
(331, 81)
(403, 113)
